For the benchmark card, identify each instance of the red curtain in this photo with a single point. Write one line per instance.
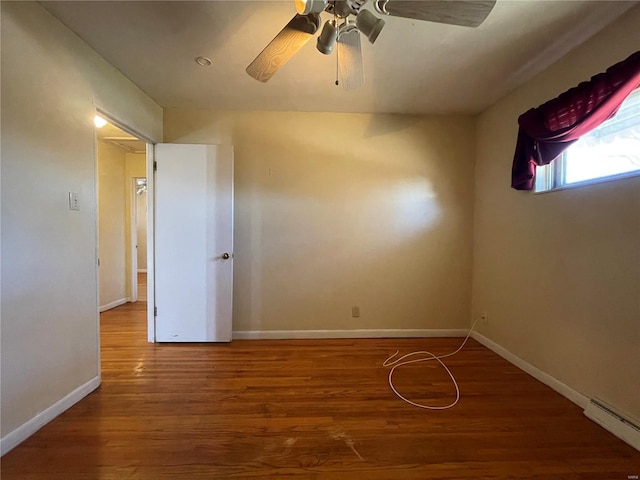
(546, 131)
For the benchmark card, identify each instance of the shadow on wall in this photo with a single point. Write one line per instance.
(326, 223)
(380, 125)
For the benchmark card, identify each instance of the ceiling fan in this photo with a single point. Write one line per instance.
(348, 21)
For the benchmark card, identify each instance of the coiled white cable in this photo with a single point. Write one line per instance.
(399, 362)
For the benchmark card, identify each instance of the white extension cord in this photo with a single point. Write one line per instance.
(399, 362)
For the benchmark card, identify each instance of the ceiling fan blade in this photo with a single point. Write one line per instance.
(350, 69)
(284, 46)
(467, 13)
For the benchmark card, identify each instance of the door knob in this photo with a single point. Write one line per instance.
(225, 256)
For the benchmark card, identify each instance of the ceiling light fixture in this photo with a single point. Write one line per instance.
(305, 7)
(369, 24)
(203, 61)
(99, 122)
(327, 38)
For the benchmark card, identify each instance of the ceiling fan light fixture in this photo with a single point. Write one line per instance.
(327, 38)
(305, 7)
(369, 24)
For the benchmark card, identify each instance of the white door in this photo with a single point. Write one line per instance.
(193, 242)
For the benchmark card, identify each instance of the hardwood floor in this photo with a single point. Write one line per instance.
(142, 286)
(311, 409)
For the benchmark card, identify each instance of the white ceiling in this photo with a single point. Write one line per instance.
(414, 67)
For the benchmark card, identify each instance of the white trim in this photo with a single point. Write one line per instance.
(114, 304)
(151, 287)
(142, 270)
(609, 419)
(372, 333)
(591, 181)
(27, 429)
(564, 390)
(112, 119)
(133, 240)
(612, 421)
(97, 264)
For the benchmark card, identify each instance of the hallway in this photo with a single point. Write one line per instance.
(142, 286)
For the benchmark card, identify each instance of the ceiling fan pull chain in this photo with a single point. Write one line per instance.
(337, 63)
(335, 19)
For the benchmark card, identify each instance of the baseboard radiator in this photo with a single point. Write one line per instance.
(610, 419)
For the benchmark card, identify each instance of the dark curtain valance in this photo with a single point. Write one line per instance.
(546, 131)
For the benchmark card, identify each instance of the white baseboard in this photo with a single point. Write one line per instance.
(20, 434)
(113, 304)
(609, 419)
(564, 390)
(371, 333)
(142, 270)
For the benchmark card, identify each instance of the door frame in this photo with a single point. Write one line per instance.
(98, 110)
(133, 239)
(151, 264)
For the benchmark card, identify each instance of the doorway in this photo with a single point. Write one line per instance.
(121, 182)
(139, 237)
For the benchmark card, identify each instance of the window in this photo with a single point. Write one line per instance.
(610, 151)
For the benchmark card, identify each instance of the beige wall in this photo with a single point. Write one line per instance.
(111, 222)
(50, 81)
(559, 273)
(135, 166)
(141, 230)
(336, 210)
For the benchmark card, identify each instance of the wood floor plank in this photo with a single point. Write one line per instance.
(312, 409)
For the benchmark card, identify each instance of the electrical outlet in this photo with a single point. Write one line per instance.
(355, 311)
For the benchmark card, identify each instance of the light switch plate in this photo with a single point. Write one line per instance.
(74, 201)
